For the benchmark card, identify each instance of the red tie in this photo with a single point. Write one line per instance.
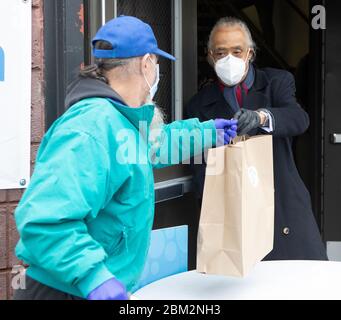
(239, 94)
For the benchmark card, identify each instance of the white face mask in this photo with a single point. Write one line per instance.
(153, 89)
(231, 70)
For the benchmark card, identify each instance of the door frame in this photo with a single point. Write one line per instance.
(317, 103)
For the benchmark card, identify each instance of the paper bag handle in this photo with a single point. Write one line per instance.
(239, 139)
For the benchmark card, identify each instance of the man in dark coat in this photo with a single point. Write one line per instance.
(264, 102)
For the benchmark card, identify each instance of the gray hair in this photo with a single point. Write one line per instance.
(232, 22)
(101, 66)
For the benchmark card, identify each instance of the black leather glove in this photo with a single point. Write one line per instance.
(247, 121)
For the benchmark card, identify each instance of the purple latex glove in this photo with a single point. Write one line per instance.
(109, 290)
(227, 130)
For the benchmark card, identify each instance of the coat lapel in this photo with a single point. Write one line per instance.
(257, 98)
(215, 106)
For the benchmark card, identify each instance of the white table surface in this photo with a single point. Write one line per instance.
(275, 280)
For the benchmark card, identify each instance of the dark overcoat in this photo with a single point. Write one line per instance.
(296, 233)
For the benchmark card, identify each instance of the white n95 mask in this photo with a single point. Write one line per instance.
(153, 89)
(231, 69)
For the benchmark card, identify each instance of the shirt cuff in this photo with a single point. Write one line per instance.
(268, 125)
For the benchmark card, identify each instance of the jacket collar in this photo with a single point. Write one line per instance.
(137, 116)
(261, 80)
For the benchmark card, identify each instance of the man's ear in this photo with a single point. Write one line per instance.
(144, 63)
(210, 60)
(252, 55)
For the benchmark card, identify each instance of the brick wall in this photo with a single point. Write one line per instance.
(10, 198)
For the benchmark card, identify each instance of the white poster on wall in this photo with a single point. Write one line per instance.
(15, 93)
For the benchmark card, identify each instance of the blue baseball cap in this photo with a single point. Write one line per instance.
(129, 37)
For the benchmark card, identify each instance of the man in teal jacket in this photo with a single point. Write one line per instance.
(86, 217)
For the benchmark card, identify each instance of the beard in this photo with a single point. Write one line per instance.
(155, 133)
(159, 118)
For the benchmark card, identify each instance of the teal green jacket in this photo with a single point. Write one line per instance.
(87, 214)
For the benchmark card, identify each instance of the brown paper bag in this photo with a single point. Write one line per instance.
(237, 219)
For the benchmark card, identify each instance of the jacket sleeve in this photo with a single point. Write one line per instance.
(181, 140)
(289, 118)
(69, 186)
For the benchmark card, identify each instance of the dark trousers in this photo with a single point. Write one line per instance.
(38, 291)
